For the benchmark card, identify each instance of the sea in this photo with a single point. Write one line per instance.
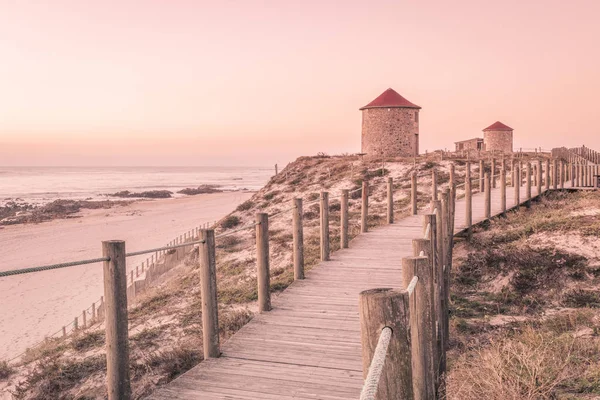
(42, 185)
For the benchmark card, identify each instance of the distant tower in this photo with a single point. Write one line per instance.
(390, 126)
(498, 137)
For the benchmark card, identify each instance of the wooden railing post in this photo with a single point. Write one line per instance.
(481, 175)
(413, 192)
(324, 226)
(539, 177)
(390, 201)
(503, 190)
(262, 262)
(379, 308)
(547, 182)
(210, 304)
(344, 220)
(493, 173)
(298, 237)
(364, 211)
(487, 206)
(555, 174)
(517, 186)
(562, 174)
(420, 319)
(528, 184)
(116, 324)
(572, 174)
(468, 201)
(446, 268)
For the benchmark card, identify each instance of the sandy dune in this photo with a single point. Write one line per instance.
(35, 305)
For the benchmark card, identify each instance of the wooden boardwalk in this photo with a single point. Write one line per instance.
(308, 346)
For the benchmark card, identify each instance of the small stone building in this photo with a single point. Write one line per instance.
(390, 126)
(470, 144)
(498, 137)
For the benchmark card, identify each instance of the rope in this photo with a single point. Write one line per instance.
(237, 230)
(50, 267)
(369, 389)
(137, 253)
(282, 211)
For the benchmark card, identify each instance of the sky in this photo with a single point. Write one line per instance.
(252, 82)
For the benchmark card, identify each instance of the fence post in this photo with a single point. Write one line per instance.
(380, 308)
(64, 331)
(420, 319)
(413, 192)
(344, 220)
(539, 177)
(262, 262)
(503, 190)
(488, 196)
(481, 178)
(94, 311)
(547, 183)
(84, 319)
(390, 201)
(528, 185)
(468, 201)
(517, 186)
(116, 324)
(434, 188)
(562, 174)
(364, 211)
(572, 174)
(493, 173)
(446, 266)
(210, 304)
(324, 226)
(555, 174)
(298, 233)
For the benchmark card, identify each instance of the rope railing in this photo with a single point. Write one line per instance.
(52, 266)
(243, 228)
(369, 389)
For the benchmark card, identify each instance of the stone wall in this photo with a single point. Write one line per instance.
(498, 141)
(390, 132)
(468, 145)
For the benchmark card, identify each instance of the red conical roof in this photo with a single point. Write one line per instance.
(498, 126)
(390, 99)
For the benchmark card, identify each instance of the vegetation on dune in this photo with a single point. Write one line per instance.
(150, 194)
(202, 189)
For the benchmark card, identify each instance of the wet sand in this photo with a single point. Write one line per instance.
(35, 305)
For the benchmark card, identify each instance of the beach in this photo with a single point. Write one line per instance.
(35, 305)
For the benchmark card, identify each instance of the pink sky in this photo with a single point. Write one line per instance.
(257, 82)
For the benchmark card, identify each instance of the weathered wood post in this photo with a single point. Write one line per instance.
(513, 171)
(528, 184)
(380, 308)
(94, 311)
(324, 226)
(413, 192)
(445, 284)
(517, 186)
(503, 190)
(364, 212)
(420, 319)
(488, 196)
(547, 183)
(298, 237)
(481, 176)
(539, 177)
(116, 324)
(452, 175)
(344, 220)
(84, 319)
(262, 262)
(468, 201)
(76, 323)
(555, 174)
(390, 201)
(434, 186)
(210, 304)
(64, 331)
(572, 174)
(437, 277)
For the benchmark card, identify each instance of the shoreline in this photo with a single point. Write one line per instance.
(41, 303)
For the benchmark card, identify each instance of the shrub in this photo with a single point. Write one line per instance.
(582, 298)
(88, 340)
(5, 370)
(230, 221)
(245, 206)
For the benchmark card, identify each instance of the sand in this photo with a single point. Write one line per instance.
(35, 305)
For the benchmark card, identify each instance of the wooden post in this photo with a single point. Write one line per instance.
(324, 226)
(452, 175)
(539, 177)
(64, 331)
(75, 324)
(116, 322)
(94, 311)
(298, 236)
(555, 174)
(481, 175)
(528, 184)
(517, 186)
(493, 173)
(421, 320)
(562, 174)
(488, 196)
(344, 220)
(364, 212)
(84, 319)
(468, 201)
(434, 187)
(503, 190)
(380, 308)
(390, 201)
(262, 261)
(413, 192)
(547, 183)
(572, 174)
(444, 323)
(210, 304)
